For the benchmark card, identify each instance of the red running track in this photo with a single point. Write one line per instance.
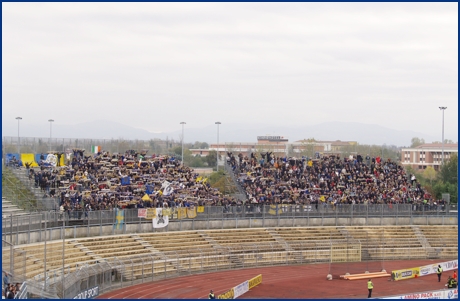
(282, 282)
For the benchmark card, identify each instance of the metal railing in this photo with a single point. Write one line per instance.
(13, 262)
(32, 227)
(108, 273)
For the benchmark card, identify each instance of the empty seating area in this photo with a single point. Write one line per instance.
(312, 242)
(189, 249)
(310, 235)
(388, 242)
(442, 239)
(250, 247)
(178, 244)
(244, 240)
(35, 257)
(170, 254)
(114, 246)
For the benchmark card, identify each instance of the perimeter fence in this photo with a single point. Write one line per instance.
(50, 225)
(92, 278)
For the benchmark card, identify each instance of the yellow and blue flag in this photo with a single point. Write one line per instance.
(119, 219)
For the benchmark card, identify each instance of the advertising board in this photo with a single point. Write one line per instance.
(405, 273)
(432, 268)
(89, 293)
(240, 289)
(440, 294)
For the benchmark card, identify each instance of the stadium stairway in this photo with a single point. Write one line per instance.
(279, 239)
(297, 256)
(9, 209)
(156, 253)
(442, 239)
(48, 203)
(431, 252)
(208, 239)
(241, 195)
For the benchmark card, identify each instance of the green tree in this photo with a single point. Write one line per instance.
(211, 158)
(447, 180)
(178, 150)
(11, 148)
(442, 187)
(308, 147)
(195, 161)
(123, 145)
(416, 141)
(430, 174)
(42, 147)
(448, 173)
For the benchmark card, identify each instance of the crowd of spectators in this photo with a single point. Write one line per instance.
(327, 179)
(104, 181)
(10, 290)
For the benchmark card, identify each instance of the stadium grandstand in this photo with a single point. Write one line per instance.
(89, 222)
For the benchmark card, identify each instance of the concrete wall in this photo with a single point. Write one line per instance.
(184, 225)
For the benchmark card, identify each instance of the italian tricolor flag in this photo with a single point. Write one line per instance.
(95, 149)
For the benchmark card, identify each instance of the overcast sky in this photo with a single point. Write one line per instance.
(153, 65)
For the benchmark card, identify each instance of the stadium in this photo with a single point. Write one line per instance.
(72, 243)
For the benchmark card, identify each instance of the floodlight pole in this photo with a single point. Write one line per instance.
(18, 118)
(442, 109)
(183, 141)
(217, 149)
(51, 122)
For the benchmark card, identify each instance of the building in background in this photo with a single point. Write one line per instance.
(280, 147)
(425, 155)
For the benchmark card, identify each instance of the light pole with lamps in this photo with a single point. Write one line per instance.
(442, 108)
(51, 122)
(217, 156)
(18, 118)
(183, 142)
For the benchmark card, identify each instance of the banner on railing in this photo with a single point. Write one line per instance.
(274, 210)
(151, 213)
(160, 220)
(141, 213)
(241, 288)
(227, 295)
(119, 219)
(255, 281)
(191, 212)
(433, 268)
(441, 294)
(405, 273)
(181, 213)
(88, 293)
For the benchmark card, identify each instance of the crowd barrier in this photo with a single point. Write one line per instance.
(440, 294)
(423, 271)
(241, 288)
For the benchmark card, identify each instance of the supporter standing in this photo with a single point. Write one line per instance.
(6, 280)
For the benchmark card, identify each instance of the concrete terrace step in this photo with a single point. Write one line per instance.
(8, 206)
(8, 210)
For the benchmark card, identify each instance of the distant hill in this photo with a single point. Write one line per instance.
(345, 131)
